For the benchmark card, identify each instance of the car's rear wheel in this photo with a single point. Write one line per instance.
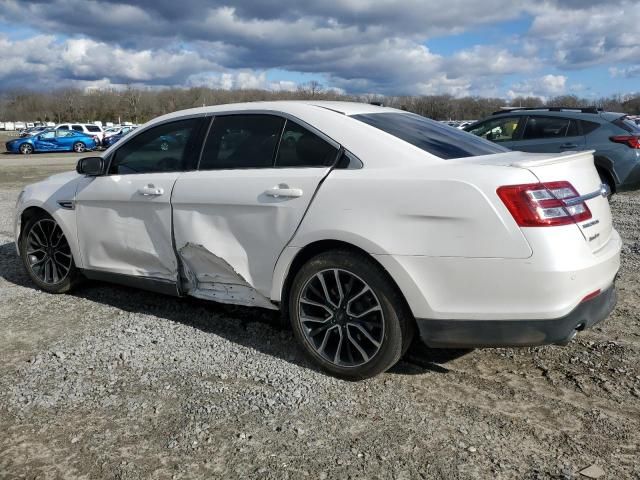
(46, 255)
(26, 149)
(79, 147)
(347, 315)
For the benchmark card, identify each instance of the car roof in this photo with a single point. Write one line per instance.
(598, 116)
(333, 120)
(285, 106)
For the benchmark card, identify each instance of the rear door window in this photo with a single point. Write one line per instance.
(588, 127)
(77, 128)
(301, 148)
(242, 141)
(431, 136)
(549, 127)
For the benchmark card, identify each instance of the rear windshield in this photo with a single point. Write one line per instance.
(431, 136)
(627, 124)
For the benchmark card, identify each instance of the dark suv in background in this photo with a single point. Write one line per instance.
(614, 137)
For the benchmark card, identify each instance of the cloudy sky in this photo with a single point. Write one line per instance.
(489, 47)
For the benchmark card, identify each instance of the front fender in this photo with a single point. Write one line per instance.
(63, 217)
(56, 197)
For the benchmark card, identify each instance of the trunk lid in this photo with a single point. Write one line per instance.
(575, 167)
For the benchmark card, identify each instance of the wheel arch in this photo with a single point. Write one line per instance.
(33, 209)
(604, 166)
(320, 246)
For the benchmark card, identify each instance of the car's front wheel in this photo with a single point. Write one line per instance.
(347, 315)
(26, 149)
(46, 255)
(79, 147)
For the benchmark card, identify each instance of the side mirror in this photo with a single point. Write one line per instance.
(91, 166)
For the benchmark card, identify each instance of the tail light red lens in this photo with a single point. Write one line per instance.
(544, 204)
(590, 296)
(632, 141)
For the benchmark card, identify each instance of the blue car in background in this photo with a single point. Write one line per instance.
(52, 141)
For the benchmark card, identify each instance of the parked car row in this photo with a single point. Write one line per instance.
(77, 137)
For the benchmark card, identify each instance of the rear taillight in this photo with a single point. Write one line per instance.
(544, 204)
(631, 141)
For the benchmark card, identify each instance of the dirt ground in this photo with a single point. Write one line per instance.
(111, 382)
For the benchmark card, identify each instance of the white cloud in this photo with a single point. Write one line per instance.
(359, 46)
(545, 86)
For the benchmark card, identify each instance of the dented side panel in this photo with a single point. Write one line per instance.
(123, 231)
(210, 277)
(229, 232)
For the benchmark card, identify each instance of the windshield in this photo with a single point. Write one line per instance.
(431, 136)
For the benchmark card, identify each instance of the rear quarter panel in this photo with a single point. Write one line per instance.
(437, 210)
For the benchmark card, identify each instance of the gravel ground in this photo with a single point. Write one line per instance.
(111, 382)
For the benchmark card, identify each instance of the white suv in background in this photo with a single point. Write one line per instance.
(87, 128)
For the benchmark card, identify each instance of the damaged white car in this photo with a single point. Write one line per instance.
(363, 224)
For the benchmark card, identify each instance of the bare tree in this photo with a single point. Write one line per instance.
(132, 101)
(139, 105)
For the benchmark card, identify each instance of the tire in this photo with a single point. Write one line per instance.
(25, 149)
(79, 147)
(46, 255)
(362, 329)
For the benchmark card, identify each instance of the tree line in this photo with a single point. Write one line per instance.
(139, 105)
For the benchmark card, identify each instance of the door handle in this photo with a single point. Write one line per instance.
(567, 146)
(151, 191)
(284, 191)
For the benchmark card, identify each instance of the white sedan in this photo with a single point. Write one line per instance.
(362, 224)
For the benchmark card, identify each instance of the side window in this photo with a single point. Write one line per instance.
(241, 141)
(503, 129)
(572, 129)
(588, 127)
(301, 148)
(64, 133)
(164, 148)
(77, 128)
(93, 128)
(63, 127)
(47, 135)
(548, 127)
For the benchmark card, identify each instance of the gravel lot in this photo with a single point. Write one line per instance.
(112, 382)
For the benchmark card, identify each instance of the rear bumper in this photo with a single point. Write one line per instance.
(517, 333)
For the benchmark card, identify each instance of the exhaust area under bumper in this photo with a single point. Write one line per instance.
(518, 333)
